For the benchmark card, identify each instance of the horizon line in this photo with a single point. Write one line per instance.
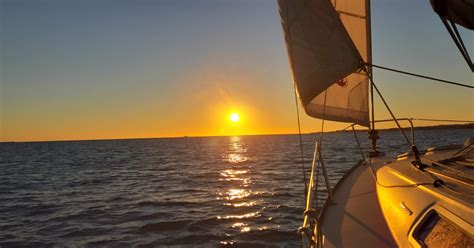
(206, 136)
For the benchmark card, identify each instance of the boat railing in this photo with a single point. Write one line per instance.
(409, 120)
(412, 127)
(310, 232)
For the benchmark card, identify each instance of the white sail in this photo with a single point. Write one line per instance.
(327, 49)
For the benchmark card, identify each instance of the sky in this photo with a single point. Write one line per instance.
(109, 69)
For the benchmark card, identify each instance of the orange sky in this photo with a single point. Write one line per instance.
(166, 69)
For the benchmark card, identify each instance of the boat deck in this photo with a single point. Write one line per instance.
(362, 223)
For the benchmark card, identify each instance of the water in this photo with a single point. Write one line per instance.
(192, 192)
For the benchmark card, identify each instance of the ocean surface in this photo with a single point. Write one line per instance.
(185, 192)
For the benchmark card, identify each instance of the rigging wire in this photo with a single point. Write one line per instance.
(420, 76)
(458, 41)
(301, 143)
(435, 183)
(369, 161)
(461, 42)
(321, 160)
(320, 163)
(391, 113)
(315, 199)
(290, 54)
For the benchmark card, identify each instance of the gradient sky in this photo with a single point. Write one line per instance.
(101, 69)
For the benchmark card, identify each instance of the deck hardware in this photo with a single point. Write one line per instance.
(419, 165)
(373, 137)
(310, 212)
(438, 183)
(407, 210)
(417, 162)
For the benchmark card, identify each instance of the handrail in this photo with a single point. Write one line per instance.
(412, 132)
(310, 225)
(310, 213)
(440, 120)
(325, 174)
(311, 186)
(410, 120)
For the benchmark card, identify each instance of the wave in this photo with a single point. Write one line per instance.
(165, 226)
(168, 203)
(86, 232)
(268, 235)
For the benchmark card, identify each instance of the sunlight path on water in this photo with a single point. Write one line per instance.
(237, 192)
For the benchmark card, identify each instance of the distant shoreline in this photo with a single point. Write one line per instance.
(436, 127)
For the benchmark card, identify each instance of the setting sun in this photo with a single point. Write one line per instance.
(234, 117)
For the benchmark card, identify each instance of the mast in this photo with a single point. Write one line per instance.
(369, 56)
(373, 133)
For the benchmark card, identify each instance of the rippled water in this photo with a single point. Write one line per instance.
(217, 191)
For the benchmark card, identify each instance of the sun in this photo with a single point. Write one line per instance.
(234, 117)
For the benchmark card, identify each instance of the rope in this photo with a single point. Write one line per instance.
(420, 76)
(290, 53)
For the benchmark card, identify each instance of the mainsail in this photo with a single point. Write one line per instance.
(327, 46)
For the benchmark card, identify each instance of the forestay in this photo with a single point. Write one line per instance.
(327, 48)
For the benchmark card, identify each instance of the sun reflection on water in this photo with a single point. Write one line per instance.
(235, 158)
(233, 173)
(238, 224)
(232, 194)
(242, 226)
(236, 191)
(240, 216)
(241, 204)
(236, 152)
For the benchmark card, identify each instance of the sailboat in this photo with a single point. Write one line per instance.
(418, 199)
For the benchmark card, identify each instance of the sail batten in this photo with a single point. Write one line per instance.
(326, 55)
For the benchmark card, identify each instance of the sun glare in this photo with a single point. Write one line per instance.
(234, 117)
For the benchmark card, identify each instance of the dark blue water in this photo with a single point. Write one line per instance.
(192, 192)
